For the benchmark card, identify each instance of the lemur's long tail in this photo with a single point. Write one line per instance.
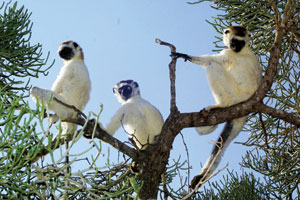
(230, 131)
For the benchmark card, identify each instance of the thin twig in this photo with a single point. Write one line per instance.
(55, 144)
(275, 9)
(132, 137)
(188, 157)
(202, 182)
(70, 106)
(172, 47)
(103, 135)
(172, 69)
(264, 130)
(165, 189)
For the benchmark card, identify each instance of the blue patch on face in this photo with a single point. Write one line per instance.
(125, 92)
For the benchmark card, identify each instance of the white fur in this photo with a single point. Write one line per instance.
(233, 77)
(204, 130)
(73, 83)
(45, 98)
(72, 86)
(141, 120)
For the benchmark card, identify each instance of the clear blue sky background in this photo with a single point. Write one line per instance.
(118, 40)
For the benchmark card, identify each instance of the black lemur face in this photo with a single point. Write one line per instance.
(66, 53)
(126, 89)
(125, 92)
(236, 38)
(237, 45)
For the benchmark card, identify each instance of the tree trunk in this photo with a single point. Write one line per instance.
(154, 165)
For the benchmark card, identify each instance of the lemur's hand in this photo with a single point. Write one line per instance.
(181, 55)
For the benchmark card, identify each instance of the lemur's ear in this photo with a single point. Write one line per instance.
(75, 44)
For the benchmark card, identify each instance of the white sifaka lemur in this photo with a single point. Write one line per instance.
(141, 120)
(72, 86)
(233, 75)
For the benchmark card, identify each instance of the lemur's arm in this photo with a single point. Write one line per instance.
(58, 85)
(115, 122)
(202, 60)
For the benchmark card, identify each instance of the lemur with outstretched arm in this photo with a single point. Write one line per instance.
(233, 75)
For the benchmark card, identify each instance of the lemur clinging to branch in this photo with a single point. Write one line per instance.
(233, 75)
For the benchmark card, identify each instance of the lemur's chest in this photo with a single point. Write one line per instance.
(237, 64)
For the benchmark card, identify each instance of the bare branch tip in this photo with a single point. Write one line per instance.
(158, 41)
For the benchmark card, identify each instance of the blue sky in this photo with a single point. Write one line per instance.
(118, 40)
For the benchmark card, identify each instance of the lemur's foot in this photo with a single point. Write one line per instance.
(195, 182)
(53, 118)
(199, 178)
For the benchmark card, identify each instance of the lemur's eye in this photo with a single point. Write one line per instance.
(227, 31)
(75, 44)
(128, 88)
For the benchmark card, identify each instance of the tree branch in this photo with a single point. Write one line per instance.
(99, 133)
(89, 132)
(172, 69)
(70, 106)
(280, 114)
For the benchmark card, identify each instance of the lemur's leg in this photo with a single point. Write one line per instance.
(222, 84)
